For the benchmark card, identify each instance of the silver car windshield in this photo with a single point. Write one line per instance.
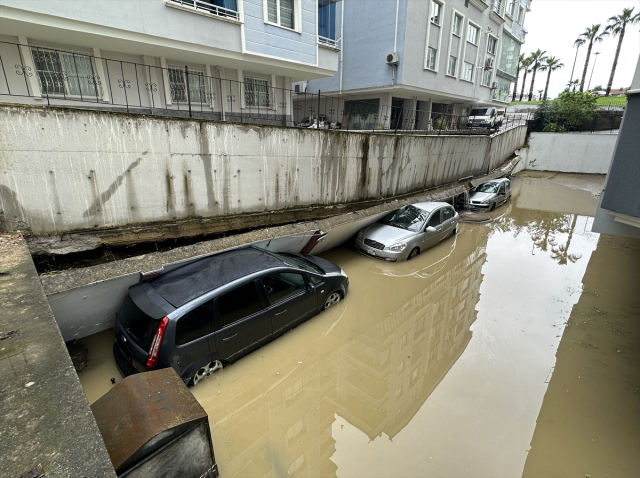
(408, 217)
(488, 188)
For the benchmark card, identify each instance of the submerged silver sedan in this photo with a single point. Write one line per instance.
(404, 233)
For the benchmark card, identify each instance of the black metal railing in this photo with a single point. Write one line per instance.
(71, 78)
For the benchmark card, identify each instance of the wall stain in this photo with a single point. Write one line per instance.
(205, 156)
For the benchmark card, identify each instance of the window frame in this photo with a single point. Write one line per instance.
(210, 303)
(495, 45)
(460, 25)
(455, 68)
(271, 102)
(297, 15)
(438, 17)
(462, 74)
(488, 84)
(510, 8)
(297, 293)
(477, 28)
(521, 13)
(264, 305)
(64, 82)
(435, 58)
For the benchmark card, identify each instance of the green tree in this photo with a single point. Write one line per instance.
(515, 86)
(571, 110)
(616, 28)
(526, 63)
(573, 83)
(591, 35)
(550, 64)
(537, 57)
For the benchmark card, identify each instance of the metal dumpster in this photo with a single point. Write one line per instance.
(153, 426)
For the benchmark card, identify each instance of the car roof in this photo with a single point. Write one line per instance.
(499, 180)
(430, 206)
(185, 283)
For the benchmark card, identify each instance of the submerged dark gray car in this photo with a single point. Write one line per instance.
(404, 233)
(220, 308)
(488, 195)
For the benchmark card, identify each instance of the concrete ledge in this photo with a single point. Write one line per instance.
(44, 413)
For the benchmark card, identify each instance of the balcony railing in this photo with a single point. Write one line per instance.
(328, 41)
(207, 7)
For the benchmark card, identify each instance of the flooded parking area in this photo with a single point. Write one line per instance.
(508, 350)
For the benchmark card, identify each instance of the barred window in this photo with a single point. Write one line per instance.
(257, 91)
(177, 83)
(281, 12)
(64, 73)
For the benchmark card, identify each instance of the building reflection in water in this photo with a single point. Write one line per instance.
(385, 350)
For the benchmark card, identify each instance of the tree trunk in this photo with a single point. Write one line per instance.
(533, 79)
(586, 66)
(546, 88)
(615, 62)
(515, 86)
(524, 81)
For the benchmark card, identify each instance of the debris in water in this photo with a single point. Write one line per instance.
(10, 334)
(113, 380)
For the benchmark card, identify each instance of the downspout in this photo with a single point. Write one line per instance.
(395, 45)
(341, 43)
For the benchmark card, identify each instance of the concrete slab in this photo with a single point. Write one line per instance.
(44, 413)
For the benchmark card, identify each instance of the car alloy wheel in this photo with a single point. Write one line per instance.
(413, 253)
(333, 299)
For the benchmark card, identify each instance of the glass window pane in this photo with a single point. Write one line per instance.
(435, 12)
(49, 71)
(237, 304)
(195, 324)
(272, 11)
(457, 22)
(327, 19)
(283, 285)
(434, 220)
(256, 91)
(453, 61)
(177, 85)
(286, 13)
(447, 213)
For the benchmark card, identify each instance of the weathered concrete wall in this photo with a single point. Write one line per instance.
(66, 170)
(570, 152)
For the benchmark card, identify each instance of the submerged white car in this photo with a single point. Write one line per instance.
(404, 233)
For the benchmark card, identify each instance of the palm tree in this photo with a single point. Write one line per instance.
(591, 35)
(537, 57)
(526, 63)
(515, 86)
(550, 64)
(616, 28)
(573, 83)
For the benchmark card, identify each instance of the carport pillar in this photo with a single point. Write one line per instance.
(385, 110)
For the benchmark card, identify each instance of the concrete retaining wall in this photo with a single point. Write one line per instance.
(66, 170)
(570, 152)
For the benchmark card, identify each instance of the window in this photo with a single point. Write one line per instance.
(283, 285)
(510, 7)
(195, 324)
(435, 12)
(492, 42)
(177, 83)
(237, 304)
(457, 24)
(453, 65)
(509, 53)
(281, 12)
(502, 92)
(520, 19)
(431, 58)
(65, 73)
(434, 220)
(316, 280)
(447, 213)
(486, 78)
(473, 33)
(327, 21)
(467, 71)
(257, 90)
(498, 7)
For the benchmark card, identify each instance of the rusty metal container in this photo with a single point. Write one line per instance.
(153, 426)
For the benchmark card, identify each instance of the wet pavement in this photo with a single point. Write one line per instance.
(510, 349)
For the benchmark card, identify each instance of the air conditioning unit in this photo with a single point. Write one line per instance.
(393, 58)
(494, 85)
(488, 64)
(301, 87)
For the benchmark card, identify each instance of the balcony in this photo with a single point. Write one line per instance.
(479, 4)
(328, 42)
(497, 12)
(207, 7)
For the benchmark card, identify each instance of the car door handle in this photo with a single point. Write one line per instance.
(281, 312)
(439, 228)
(229, 337)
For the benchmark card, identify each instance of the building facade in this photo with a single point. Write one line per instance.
(217, 56)
(440, 56)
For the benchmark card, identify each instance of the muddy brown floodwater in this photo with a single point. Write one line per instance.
(509, 350)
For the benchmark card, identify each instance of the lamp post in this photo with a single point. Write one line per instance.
(594, 67)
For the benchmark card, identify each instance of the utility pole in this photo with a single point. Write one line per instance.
(594, 67)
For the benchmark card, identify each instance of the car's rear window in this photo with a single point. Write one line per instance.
(139, 326)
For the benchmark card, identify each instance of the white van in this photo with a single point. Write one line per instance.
(487, 117)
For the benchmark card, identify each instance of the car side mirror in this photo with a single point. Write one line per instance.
(430, 229)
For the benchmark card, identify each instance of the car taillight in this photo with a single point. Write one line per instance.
(152, 358)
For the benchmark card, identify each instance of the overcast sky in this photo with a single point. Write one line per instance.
(554, 25)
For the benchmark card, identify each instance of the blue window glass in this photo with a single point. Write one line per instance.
(230, 4)
(327, 19)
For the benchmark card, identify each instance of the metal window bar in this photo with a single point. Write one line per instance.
(208, 7)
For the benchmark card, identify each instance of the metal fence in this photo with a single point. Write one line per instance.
(38, 75)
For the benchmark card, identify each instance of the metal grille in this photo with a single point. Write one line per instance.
(374, 244)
